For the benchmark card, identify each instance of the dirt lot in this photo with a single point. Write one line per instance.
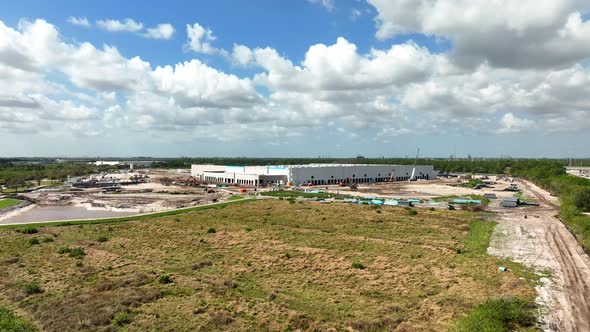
(125, 202)
(418, 189)
(542, 242)
(266, 265)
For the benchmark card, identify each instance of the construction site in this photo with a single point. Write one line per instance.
(522, 209)
(131, 192)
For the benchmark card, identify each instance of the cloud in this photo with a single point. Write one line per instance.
(520, 34)
(200, 38)
(194, 84)
(241, 55)
(512, 124)
(127, 24)
(336, 90)
(161, 31)
(328, 4)
(355, 14)
(81, 21)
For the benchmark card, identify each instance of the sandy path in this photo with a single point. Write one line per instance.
(542, 242)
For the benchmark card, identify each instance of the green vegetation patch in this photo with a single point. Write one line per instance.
(472, 183)
(9, 322)
(235, 197)
(8, 202)
(498, 315)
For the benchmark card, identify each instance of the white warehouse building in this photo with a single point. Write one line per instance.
(316, 174)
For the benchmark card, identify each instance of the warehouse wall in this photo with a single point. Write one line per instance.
(357, 174)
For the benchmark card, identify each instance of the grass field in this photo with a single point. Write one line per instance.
(263, 265)
(8, 202)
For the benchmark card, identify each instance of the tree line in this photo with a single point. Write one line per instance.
(23, 176)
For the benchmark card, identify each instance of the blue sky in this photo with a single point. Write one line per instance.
(294, 78)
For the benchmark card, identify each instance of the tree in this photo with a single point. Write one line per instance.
(15, 182)
(38, 175)
(582, 200)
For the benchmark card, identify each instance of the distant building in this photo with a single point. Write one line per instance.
(316, 174)
(106, 163)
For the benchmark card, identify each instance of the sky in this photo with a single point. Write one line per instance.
(297, 78)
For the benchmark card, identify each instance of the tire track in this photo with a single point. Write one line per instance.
(573, 263)
(544, 243)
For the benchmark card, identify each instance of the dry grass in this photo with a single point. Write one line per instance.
(270, 265)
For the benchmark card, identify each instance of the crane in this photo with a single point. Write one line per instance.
(412, 178)
(392, 175)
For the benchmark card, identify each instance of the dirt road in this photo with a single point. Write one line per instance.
(542, 242)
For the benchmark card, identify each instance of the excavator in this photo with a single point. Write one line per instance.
(348, 183)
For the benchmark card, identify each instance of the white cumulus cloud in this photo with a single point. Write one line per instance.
(200, 39)
(511, 34)
(127, 24)
(81, 21)
(161, 31)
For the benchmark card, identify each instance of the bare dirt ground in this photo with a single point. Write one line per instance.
(124, 202)
(542, 241)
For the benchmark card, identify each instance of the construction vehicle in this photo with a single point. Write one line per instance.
(348, 183)
(512, 187)
(345, 183)
(192, 181)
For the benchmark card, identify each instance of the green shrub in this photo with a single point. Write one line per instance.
(211, 230)
(10, 322)
(77, 253)
(29, 230)
(498, 315)
(582, 200)
(412, 212)
(121, 319)
(33, 241)
(47, 239)
(63, 250)
(165, 279)
(102, 238)
(358, 266)
(248, 229)
(32, 287)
